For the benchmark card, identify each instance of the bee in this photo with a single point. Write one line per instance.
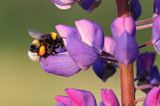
(44, 45)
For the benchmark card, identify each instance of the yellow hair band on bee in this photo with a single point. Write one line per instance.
(42, 50)
(36, 42)
(54, 35)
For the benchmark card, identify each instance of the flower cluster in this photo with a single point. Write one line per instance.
(85, 45)
(76, 97)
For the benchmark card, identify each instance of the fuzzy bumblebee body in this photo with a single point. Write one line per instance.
(44, 45)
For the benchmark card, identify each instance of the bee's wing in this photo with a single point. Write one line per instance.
(36, 35)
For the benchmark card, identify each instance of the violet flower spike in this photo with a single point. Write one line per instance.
(87, 5)
(88, 42)
(77, 97)
(153, 97)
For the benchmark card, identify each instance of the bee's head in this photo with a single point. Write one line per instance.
(36, 50)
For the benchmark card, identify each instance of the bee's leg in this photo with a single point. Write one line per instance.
(45, 62)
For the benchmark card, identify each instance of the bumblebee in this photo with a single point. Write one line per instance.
(44, 45)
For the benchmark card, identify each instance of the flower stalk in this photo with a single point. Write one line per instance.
(123, 7)
(148, 43)
(127, 85)
(145, 21)
(140, 100)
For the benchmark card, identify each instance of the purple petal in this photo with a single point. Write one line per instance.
(157, 47)
(145, 62)
(89, 5)
(60, 64)
(156, 30)
(136, 9)
(153, 97)
(81, 53)
(154, 76)
(109, 98)
(63, 101)
(126, 49)
(109, 44)
(65, 31)
(81, 97)
(156, 34)
(91, 33)
(122, 24)
(60, 104)
(103, 70)
(157, 7)
(101, 104)
(63, 4)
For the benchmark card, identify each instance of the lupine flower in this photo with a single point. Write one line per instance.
(87, 5)
(147, 72)
(109, 98)
(153, 97)
(123, 30)
(76, 97)
(145, 62)
(84, 44)
(105, 69)
(135, 9)
(122, 24)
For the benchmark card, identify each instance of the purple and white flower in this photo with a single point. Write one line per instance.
(84, 44)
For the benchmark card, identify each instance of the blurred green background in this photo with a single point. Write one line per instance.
(24, 83)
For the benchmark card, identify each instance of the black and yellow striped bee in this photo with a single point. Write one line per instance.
(44, 45)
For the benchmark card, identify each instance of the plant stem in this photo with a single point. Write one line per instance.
(127, 85)
(123, 7)
(146, 86)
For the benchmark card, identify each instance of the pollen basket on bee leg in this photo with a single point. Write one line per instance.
(54, 35)
(42, 50)
(36, 42)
